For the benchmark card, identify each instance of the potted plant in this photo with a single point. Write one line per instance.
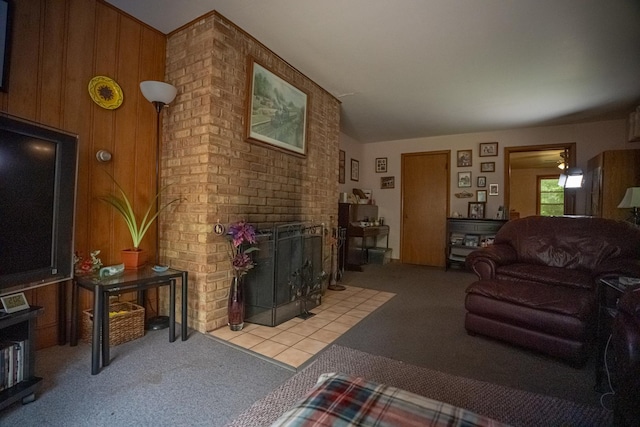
(135, 257)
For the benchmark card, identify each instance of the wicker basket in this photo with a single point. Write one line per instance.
(126, 323)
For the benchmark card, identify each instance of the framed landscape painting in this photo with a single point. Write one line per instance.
(277, 111)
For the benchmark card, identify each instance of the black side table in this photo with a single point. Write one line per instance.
(610, 289)
(131, 280)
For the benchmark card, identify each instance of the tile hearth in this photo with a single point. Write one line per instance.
(294, 342)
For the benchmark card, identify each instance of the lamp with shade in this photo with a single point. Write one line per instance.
(160, 94)
(631, 200)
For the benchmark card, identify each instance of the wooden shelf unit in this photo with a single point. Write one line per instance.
(21, 326)
(465, 235)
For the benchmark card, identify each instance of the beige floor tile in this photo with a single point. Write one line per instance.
(269, 348)
(303, 329)
(325, 336)
(310, 345)
(297, 340)
(358, 313)
(225, 333)
(293, 357)
(372, 303)
(338, 309)
(347, 303)
(329, 315)
(317, 322)
(339, 328)
(383, 296)
(287, 338)
(347, 320)
(265, 331)
(369, 293)
(248, 327)
(290, 323)
(246, 340)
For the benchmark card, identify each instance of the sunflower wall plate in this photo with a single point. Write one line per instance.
(105, 92)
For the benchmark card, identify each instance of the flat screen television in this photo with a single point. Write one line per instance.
(38, 167)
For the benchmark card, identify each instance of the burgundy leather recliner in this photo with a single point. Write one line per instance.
(538, 281)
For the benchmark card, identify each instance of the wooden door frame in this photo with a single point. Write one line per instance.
(569, 197)
(402, 181)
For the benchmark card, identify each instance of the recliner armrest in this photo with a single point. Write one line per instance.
(484, 261)
(617, 267)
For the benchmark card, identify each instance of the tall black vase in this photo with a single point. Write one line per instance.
(235, 304)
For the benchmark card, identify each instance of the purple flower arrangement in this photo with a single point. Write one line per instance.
(240, 235)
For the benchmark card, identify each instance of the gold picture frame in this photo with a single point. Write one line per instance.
(276, 112)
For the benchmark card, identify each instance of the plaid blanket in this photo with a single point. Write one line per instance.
(341, 400)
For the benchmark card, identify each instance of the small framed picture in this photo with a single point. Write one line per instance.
(14, 302)
(476, 209)
(464, 158)
(488, 167)
(341, 166)
(481, 195)
(355, 170)
(381, 165)
(464, 179)
(488, 149)
(387, 182)
(482, 181)
(493, 189)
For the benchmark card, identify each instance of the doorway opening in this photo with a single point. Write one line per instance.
(525, 166)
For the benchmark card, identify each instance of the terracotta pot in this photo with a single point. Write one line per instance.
(133, 259)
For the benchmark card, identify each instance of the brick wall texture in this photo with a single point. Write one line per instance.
(221, 176)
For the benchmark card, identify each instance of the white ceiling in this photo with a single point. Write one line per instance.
(415, 68)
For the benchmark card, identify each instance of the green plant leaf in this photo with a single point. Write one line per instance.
(120, 202)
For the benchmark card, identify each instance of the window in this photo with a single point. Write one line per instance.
(550, 196)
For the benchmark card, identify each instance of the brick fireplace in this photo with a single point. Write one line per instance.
(221, 176)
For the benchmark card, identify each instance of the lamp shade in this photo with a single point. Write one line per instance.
(158, 91)
(631, 198)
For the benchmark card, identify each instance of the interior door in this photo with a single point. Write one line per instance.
(425, 203)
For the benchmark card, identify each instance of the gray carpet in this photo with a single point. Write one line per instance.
(150, 382)
(201, 382)
(515, 407)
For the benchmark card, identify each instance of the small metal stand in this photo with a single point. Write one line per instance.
(336, 272)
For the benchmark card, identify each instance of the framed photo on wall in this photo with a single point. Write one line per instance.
(355, 170)
(482, 181)
(488, 167)
(387, 182)
(381, 165)
(493, 189)
(464, 179)
(476, 210)
(341, 166)
(276, 111)
(488, 149)
(481, 195)
(464, 158)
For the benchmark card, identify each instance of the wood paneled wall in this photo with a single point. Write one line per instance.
(57, 46)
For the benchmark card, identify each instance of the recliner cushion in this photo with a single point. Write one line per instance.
(574, 302)
(544, 274)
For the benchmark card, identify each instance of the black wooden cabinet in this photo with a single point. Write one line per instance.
(20, 328)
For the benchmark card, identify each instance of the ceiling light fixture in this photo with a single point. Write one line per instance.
(570, 177)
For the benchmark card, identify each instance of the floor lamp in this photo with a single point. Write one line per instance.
(160, 94)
